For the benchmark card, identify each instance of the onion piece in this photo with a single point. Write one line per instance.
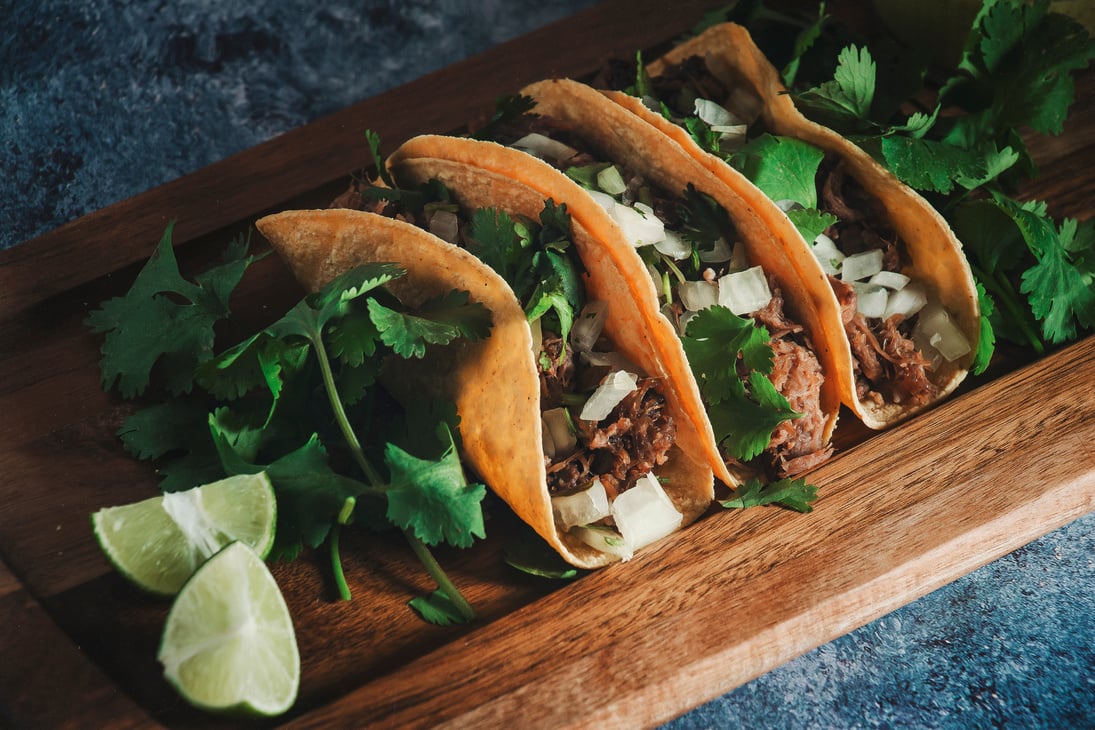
(588, 325)
(746, 291)
(697, 295)
(861, 266)
(936, 327)
(638, 227)
(644, 513)
(537, 337)
(907, 302)
(581, 508)
(714, 114)
(545, 147)
(613, 360)
(557, 423)
(787, 205)
(445, 225)
(828, 255)
(674, 246)
(605, 200)
(890, 280)
(871, 299)
(608, 395)
(604, 539)
(721, 252)
(611, 181)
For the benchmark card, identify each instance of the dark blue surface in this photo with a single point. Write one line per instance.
(102, 100)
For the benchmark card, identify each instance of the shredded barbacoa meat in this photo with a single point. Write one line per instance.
(799, 444)
(887, 364)
(631, 442)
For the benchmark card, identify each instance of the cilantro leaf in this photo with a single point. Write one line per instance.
(1060, 289)
(783, 168)
(506, 109)
(848, 97)
(310, 494)
(174, 432)
(439, 321)
(794, 494)
(703, 220)
(986, 342)
(373, 140)
(811, 222)
(743, 415)
(433, 499)
(437, 608)
(743, 422)
(167, 320)
(713, 341)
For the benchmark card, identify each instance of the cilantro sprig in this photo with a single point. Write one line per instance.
(254, 407)
(1014, 73)
(744, 410)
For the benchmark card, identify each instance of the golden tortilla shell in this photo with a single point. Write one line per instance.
(618, 134)
(494, 382)
(936, 254)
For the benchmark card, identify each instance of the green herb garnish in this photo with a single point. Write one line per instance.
(294, 399)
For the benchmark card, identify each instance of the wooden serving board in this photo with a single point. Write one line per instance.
(729, 598)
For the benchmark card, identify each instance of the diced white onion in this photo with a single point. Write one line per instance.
(828, 255)
(605, 200)
(787, 205)
(744, 291)
(644, 513)
(610, 181)
(545, 147)
(604, 539)
(861, 266)
(444, 225)
(640, 228)
(697, 295)
(738, 259)
(907, 302)
(721, 252)
(589, 325)
(537, 336)
(557, 424)
(714, 114)
(684, 320)
(936, 326)
(581, 508)
(870, 299)
(674, 246)
(613, 360)
(608, 395)
(890, 280)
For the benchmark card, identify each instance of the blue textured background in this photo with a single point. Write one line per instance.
(102, 100)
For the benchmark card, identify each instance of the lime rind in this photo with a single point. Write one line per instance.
(158, 543)
(228, 645)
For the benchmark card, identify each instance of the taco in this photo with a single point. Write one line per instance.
(902, 303)
(597, 487)
(736, 320)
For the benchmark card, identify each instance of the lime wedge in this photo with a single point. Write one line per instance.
(228, 645)
(159, 542)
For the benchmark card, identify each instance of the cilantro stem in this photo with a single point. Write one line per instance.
(333, 541)
(1006, 297)
(438, 574)
(336, 563)
(370, 471)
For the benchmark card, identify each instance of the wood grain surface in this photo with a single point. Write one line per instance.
(735, 595)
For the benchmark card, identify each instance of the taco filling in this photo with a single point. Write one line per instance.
(898, 336)
(606, 425)
(708, 287)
